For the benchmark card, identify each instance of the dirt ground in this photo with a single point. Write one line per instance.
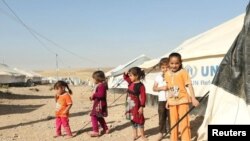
(27, 114)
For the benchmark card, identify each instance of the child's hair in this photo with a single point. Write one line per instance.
(177, 55)
(99, 76)
(164, 61)
(62, 84)
(136, 71)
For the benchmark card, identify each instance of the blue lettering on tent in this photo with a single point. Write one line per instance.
(192, 71)
(204, 70)
(205, 82)
(209, 70)
(195, 82)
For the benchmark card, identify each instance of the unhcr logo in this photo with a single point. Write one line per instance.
(192, 71)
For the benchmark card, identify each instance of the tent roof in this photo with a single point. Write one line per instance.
(150, 63)
(27, 73)
(122, 68)
(8, 70)
(4, 73)
(214, 42)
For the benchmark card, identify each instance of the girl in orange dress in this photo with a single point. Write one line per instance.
(178, 81)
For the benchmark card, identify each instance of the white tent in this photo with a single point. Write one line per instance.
(10, 76)
(224, 108)
(201, 57)
(30, 76)
(116, 75)
(202, 54)
(121, 68)
(230, 105)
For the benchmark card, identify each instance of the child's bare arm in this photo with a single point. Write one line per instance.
(163, 88)
(56, 97)
(167, 105)
(155, 87)
(126, 77)
(195, 102)
(67, 108)
(140, 111)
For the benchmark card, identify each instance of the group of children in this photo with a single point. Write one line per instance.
(173, 101)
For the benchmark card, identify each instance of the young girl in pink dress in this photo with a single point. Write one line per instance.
(100, 108)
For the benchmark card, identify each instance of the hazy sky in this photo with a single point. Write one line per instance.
(107, 32)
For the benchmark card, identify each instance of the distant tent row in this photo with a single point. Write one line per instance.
(20, 77)
(9, 75)
(31, 77)
(69, 80)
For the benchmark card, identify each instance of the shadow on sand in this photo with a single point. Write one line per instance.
(152, 131)
(10, 95)
(83, 130)
(17, 108)
(195, 124)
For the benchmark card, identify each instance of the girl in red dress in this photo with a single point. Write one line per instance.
(135, 101)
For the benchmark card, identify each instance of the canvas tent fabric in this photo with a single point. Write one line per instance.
(215, 42)
(27, 73)
(203, 53)
(231, 87)
(30, 75)
(122, 68)
(210, 44)
(5, 77)
(150, 64)
(9, 75)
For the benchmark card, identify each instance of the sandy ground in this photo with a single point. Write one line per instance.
(26, 114)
